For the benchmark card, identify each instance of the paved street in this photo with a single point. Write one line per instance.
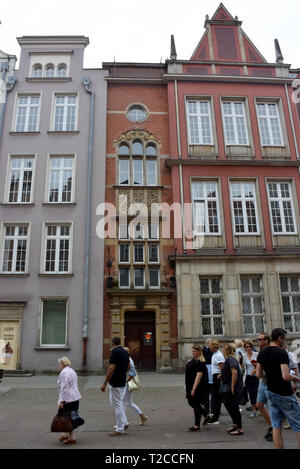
(27, 406)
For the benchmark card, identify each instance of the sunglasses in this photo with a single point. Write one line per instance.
(259, 340)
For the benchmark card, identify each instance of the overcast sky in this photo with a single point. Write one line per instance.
(139, 30)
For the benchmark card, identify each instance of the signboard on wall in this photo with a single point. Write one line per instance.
(9, 343)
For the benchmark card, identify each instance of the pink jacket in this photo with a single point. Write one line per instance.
(67, 385)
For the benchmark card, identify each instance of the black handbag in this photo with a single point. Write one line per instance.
(224, 388)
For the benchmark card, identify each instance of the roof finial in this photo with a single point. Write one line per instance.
(173, 55)
(279, 56)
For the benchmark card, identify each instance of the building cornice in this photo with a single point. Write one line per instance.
(135, 81)
(196, 162)
(227, 79)
(49, 40)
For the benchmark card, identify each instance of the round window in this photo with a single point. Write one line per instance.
(136, 113)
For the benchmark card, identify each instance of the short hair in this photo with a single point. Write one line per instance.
(239, 343)
(215, 344)
(64, 361)
(267, 337)
(116, 341)
(276, 333)
(248, 342)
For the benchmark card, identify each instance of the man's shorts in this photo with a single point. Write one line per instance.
(262, 393)
(282, 407)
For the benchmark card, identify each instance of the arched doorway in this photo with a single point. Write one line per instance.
(140, 338)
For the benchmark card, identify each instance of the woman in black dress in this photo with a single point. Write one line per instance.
(196, 383)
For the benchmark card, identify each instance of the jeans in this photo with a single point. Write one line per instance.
(116, 400)
(282, 407)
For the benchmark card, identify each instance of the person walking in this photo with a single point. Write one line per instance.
(128, 395)
(116, 377)
(262, 399)
(68, 398)
(273, 362)
(217, 361)
(239, 355)
(196, 383)
(208, 398)
(232, 379)
(251, 381)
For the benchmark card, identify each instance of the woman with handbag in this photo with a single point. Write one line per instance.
(231, 388)
(196, 383)
(68, 399)
(128, 395)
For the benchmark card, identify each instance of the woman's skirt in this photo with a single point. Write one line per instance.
(71, 410)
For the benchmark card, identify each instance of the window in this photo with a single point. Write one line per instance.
(244, 207)
(205, 208)
(154, 278)
(269, 124)
(20, 180)
(140, 168)
(58, 249)
(139, 278)
(282, 208)
(37, 71)
(153, 253)
(153, 231)
(211, 308)
(123, 231)
(290, 294)
(62, 71)
(65, 111)
(138, 250)
(136, 113)
(124, 278)
(14, 254)
(50, 71)
(61, 179)
(234, 121)
(138, 231)
(124, 250)
(54, 323)
(253, 305)
(27, 114)
(199, 122)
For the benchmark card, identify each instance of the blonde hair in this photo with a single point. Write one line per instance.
(199, 350)
(239, 343)
(229, 350)
(64, 361)
(215, 344)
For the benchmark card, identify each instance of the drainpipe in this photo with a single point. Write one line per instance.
(292, 121)
(86, 83)
(11, 83)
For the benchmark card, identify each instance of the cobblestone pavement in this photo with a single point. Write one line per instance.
(27, 406)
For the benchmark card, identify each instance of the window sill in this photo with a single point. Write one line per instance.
(51, 79)
(50, 348)
(127, 186)
(59, 204)
(63, 132)
(14, 274)
(12, 132)
(55, 275)
(16, 204)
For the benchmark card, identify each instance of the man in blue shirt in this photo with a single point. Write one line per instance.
(116, 377)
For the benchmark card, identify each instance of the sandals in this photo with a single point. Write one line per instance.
(193, 429)
(236, 432)
(232, 429)
(69, 441)
(63, 438)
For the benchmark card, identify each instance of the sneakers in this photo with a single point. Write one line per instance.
(206, 420)
(269, 434)
(144, 419)
(193, 429)
(114, 433)
(253, 414)
(213, 421)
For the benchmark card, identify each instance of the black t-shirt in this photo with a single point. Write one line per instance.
(120, 358)
(207, 355)
(271, 358)
(191, 369)
(229, 363)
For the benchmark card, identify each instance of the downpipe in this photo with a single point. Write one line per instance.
(11, 83)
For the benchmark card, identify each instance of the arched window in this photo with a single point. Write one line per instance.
(151, 150)
(123, 149)
(49, 71)
(62, 71)
(37, 71)
(137, 148)
(137, 163)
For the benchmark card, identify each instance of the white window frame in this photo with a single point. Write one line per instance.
(151, 172)
(134, 257)
(139, 173)
(139, 268)
(252, 295)
(22, 170)
(65, 106)
(128, 285)
(58, 237)
(210, 295)
(234, 117)
(61, 170)
(120, 261)
(204, 200)
(158, 271)
(156, 237)
(281, 209)
(121, 160)
(28, 108)
(269, 117)
(150, 245)
(66, 322)
(15, 238)
(128, 234)
(198, 115)
(243, 199)
(290, 294)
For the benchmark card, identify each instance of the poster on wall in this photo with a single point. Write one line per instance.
(9, 332)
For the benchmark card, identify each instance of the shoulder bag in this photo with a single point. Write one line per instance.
(134, 384)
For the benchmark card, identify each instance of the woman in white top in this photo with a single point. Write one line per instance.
(251, 381)
(217, 362)
(69, 396)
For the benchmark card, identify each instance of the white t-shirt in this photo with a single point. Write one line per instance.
(247, 361)
(216, 359)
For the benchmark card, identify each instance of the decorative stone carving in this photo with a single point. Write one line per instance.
(137, 133)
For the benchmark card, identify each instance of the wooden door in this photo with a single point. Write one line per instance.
(140, 338)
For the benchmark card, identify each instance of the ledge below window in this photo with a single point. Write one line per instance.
(43, 79)
(49, 349)
(16, 204)
(63, 132)
(59, 204)
(55, 275)
(24, 133)
(13, 274)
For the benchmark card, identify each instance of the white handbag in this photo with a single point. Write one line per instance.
(134, 384)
